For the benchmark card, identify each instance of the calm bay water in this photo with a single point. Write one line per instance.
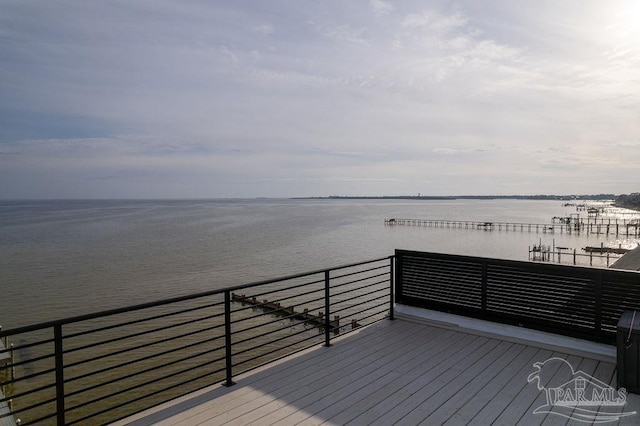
(63, 258)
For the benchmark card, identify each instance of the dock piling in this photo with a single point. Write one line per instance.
(321, 320)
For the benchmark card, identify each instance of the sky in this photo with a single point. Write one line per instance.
(297, 98)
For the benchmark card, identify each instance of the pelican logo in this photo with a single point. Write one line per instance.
(568, 391)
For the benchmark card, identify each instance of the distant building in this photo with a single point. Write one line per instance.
(629, 261)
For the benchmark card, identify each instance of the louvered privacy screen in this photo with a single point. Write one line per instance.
(575, 301)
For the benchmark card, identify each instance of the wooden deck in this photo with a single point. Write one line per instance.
(4, 409)
(393, 372)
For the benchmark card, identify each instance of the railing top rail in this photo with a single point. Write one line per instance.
(109, 312)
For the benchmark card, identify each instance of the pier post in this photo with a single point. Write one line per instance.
(12, 357)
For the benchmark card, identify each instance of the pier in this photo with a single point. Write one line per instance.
(289, 312)
(546, 253)
(600, 226)
(6, 356)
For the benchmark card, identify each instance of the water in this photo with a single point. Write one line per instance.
(64, 258)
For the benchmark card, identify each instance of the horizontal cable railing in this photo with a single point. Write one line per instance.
(101, 367)
(576, 301)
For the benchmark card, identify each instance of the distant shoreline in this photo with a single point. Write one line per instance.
(598, 197)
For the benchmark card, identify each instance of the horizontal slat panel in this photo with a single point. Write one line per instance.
(442, 281)
(620, 292)
(566, 299)
(560, 300)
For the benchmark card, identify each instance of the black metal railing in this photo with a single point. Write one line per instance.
(576, 301)
(101, 367)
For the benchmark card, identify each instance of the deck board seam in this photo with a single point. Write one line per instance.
(435, 370)
(412, 360)
(327, 359)
(375, 355)
(444, 380)
(488, 374)
(411, 365)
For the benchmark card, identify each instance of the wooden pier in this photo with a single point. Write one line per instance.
(546, 253)
(5, 355)
(5, 413)
(601, 226)
(5, 410)
(289, 312)
(603, 249)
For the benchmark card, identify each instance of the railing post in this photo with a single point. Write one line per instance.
(227, 339)
(391, 284)
(59, 366)
(327, 310)
(398, 277)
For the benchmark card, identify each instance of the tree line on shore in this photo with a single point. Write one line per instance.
(629, 201)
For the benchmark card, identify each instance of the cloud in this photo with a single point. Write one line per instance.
(435, 21)
(381, 7)
(624, 144)
(344, 33)
(211, 98)
(264, 29)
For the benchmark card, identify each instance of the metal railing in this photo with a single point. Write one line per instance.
(105, 366)
(576, 301)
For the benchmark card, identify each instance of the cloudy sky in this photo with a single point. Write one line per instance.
(284, 98)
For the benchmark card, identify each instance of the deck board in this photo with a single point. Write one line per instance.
(432, 382)
(363, 396)
(292, 397)
(465, 391)
(337, 386)
(393, 372)
(605, 372)
(313, 372)
(493, 392)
